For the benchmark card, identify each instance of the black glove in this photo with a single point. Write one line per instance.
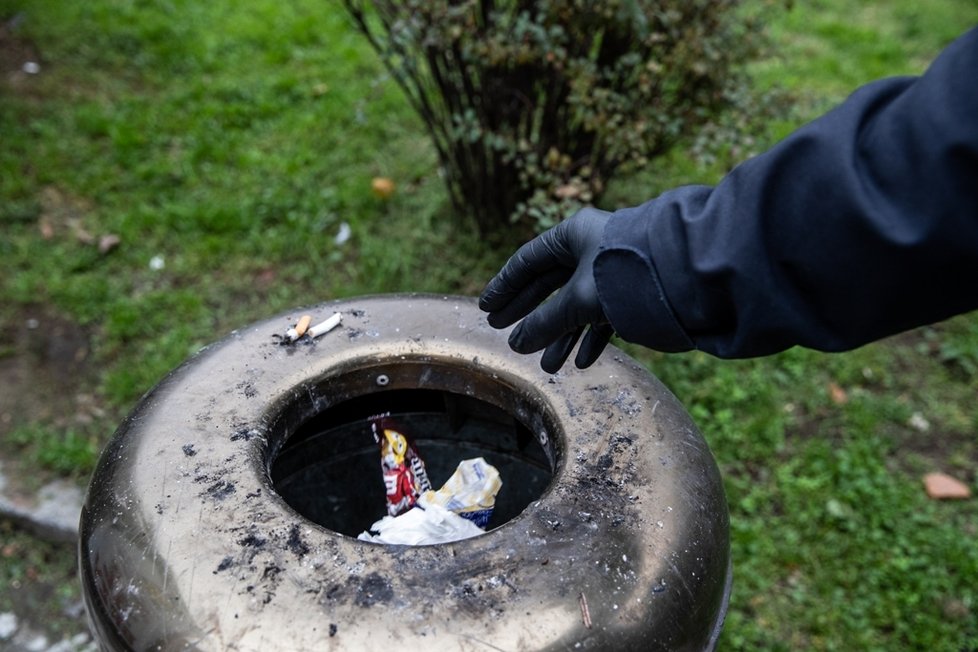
(562, 256)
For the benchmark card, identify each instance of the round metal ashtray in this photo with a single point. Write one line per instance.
(223, 514)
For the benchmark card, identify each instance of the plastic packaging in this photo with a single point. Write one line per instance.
(405, 477)
(470, 492)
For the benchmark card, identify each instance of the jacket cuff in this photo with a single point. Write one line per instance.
(633, 300)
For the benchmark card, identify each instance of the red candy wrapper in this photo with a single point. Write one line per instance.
(405, 477)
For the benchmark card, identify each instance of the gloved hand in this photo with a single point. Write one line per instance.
(563, 256)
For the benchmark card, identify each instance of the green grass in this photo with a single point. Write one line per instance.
(37, 577)
(67, 452)
(231, 141)
(835, 544)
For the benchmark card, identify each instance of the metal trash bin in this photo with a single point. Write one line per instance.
(222, 514)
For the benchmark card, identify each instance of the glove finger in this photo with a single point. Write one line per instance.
(532, 295)
(498, 291)
(534, 259)
(549, 321)
(557, 353)
(593, 344)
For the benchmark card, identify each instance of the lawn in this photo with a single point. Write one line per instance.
(175, 170)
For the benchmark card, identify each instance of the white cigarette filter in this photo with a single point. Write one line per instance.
(325, 326)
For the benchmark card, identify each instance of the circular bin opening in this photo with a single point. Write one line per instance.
(327, 464)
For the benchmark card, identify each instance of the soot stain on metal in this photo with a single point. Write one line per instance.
(270, 581)
(218, 488)
(334, 593)
(247, 389)
(243, 433)
(372, 589)
(604, 486)
(477, 586)
(474, 598)
(221, 489)
(252, 540)
(295, 543)
(627, 403)
(225, 564)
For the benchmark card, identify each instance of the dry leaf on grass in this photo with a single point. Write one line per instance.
(108, 242)
(837, 394)
(382, 187)
(941, 486)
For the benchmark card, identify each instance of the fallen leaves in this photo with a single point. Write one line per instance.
(941, 486)
(65, 213)
(108, 242)
(382, 187)
(837, 394)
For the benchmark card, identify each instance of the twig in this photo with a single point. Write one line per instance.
(585, 612)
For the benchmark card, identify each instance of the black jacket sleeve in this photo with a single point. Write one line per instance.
(859, 225)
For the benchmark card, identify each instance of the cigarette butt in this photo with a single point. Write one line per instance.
(303, 325)
(292, 334)
(325, 326)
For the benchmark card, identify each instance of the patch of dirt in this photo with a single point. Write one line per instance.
(47, 377)
(945, 450)
(18, 55)
(39, 587)
(62, 215)
(45, 370)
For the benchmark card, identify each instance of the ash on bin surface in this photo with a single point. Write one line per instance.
(295, 543)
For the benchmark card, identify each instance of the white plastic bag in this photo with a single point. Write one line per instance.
(425, 524)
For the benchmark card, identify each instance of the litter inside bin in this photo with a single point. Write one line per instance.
(470, 492)
(426, 524)
(405, 477)
(460, 509)
(327, 469)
